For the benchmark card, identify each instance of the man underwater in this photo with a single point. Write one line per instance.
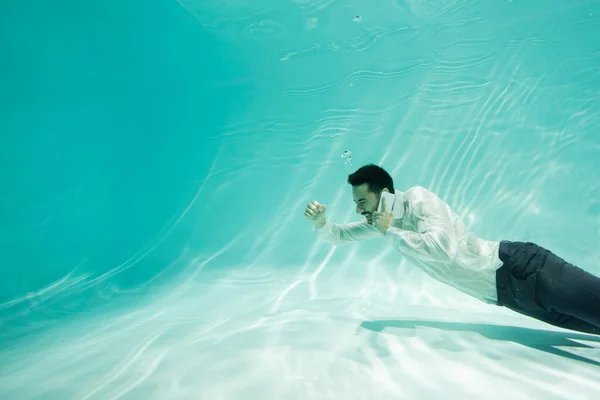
(521, 276)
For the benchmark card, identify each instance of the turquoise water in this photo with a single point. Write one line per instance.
(156, 159)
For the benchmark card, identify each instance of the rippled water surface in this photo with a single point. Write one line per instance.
(156, 160)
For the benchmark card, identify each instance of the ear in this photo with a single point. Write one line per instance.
(385, 190)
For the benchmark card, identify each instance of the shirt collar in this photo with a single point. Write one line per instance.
(399, 207)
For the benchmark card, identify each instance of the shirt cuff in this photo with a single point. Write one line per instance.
(392, 233)
(325, 229)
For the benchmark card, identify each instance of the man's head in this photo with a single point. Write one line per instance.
(367, 184)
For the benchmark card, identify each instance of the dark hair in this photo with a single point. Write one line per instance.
(376, 177)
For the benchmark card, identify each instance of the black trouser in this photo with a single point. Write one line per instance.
(536, 282)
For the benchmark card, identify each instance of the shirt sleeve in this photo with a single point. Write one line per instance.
(336, 234)
(435, 239)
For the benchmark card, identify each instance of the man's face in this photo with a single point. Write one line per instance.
(366, 201)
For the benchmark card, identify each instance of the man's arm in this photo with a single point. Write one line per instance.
(435, 239)
(336, 234)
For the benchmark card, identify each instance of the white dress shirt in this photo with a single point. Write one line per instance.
(430, 235)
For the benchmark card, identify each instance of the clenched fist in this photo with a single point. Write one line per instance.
(316, 213)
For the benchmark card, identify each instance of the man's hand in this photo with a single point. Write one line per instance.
(316, 213)
(383, 220)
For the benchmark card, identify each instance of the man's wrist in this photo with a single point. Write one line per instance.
(321, 223)
(385, 232)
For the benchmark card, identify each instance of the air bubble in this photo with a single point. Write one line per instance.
(348, 156)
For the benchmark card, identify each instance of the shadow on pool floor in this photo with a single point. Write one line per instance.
(539, 339)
